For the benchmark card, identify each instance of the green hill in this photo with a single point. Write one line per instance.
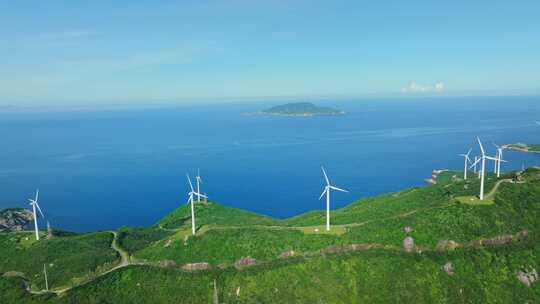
(487, 245)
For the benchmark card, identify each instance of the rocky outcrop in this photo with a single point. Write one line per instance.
(408, 229)
(408, 244)
(15, 219)
(527, 276)
(501, 239)
(448, 268)
(245, 262)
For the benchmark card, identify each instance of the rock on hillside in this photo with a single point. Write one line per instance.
(14, 219)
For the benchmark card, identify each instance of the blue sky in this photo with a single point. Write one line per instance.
(109, 51)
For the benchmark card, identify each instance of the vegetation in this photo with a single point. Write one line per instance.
(297, 261)
(534, 147)
(376, 276)
(67, 258)
(301, 109)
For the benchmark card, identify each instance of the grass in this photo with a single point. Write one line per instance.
(215, 214)
(438, 212)
(334, 230)
(474, 200)
(376, 276)
(67, 258)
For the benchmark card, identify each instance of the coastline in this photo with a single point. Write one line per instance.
(521, 147)
(294, 115)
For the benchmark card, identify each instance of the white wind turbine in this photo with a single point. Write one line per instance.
(483, 173)
(191, 200)
(499, 159)
(326, 191)
(34, 204)
(467, 161)
(198, 180)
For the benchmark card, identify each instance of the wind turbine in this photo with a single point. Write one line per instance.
(483, 173)
(198, 179)
(326, 191)
(191, 200)
(499, 159)
(467, 160)
(34, 204)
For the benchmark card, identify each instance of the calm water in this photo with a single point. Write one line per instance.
(100, 170)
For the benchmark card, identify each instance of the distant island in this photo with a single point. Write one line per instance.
(301, 109)
(534, 148)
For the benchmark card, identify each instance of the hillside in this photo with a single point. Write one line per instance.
(484, 245)
(301, 109)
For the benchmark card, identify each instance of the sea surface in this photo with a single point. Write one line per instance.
(105, 169)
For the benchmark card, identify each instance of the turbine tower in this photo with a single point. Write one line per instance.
(482, 174)
(46, 280)
(192, 202)
(34, 204)
(198, 180)
(499, 159)
(326, 191)
(467, 160)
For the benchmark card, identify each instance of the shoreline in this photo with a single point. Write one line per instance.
(261, 113)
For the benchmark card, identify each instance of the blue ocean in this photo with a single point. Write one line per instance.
(105, 169)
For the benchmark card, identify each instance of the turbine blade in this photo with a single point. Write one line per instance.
(469, 152)
(323, 193)
(481, 147)
(37, 195)
(198, 194)
(325, 176)
(476, 162)
(189, 180)
(39, 209)
(338, 189)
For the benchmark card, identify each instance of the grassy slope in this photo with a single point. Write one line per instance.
(378, 276)
(432, 211)
(214, 214)
(66, 257)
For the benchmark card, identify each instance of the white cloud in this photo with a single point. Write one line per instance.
(414, 87)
